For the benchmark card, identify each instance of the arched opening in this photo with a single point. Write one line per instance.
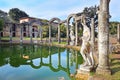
(14, 30)
(24, 31)
(54, 23)
(34, 30)
(71, 29)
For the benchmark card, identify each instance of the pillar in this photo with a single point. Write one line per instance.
(31, 34)
(10, 32)
(40, 34)
(26, 30)
(118, 33)
(49, 33)
(58, 33)
(67, 32)
(21, 33)
(103, 38)
(76, 33)
(92, 34)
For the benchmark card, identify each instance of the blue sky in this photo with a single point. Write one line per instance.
(48, 9)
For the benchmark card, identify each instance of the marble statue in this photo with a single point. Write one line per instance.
(86, 48)
(72, 37)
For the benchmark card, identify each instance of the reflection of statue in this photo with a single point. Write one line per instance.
(86, 49)
(72, 37)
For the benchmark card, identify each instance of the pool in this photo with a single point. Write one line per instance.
(34, 62)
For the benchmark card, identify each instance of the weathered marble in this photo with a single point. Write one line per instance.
(103, 38)
(92, 34)
(10, 25)
(21, 33)
(36, 34)
(118, 33)
(86, 49)
(72, 37)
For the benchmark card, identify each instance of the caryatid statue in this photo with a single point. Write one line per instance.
(86, 49)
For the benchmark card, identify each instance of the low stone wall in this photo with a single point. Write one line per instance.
(46, 44)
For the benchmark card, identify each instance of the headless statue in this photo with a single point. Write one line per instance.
(86, 48)
(72, 37)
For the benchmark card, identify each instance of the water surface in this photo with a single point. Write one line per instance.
(33, 62)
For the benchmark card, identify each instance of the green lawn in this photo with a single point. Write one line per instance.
(115, 69)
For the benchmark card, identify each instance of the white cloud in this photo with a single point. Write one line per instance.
(115, 10)
(57, 8)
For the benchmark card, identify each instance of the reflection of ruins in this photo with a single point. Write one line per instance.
(25, 55)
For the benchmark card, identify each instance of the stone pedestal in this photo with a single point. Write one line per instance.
(83, 73)
(103, 71)
(85, 69)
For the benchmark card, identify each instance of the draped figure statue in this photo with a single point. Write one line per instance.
(72, 37)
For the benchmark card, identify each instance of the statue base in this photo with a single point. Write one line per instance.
(85, 69)
(83, 73)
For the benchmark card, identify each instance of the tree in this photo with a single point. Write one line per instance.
(90, 12)
(1, 27)
(63, 30)
(113, 28)
(1, 24)
(16, 14)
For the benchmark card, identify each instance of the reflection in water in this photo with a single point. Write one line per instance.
(18, 55)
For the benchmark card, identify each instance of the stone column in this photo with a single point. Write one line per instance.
(49, 33)
(31, 34)
(10, 25)
(59, 41)
(21, 33)
(76, 33)
(26, 30)
(118, 33)
(40, 34)
(92, 34)
(67, 32)
(36, 34)
(103, 38)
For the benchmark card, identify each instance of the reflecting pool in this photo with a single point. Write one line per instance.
(33, 62)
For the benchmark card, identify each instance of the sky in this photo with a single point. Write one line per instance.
(47, 9)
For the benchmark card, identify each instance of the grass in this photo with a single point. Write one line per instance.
(14, 38)
(58, 43)
(115, 69)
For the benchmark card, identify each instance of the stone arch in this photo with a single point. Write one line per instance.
(68, 21)
(50, 22)
(36, 27)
